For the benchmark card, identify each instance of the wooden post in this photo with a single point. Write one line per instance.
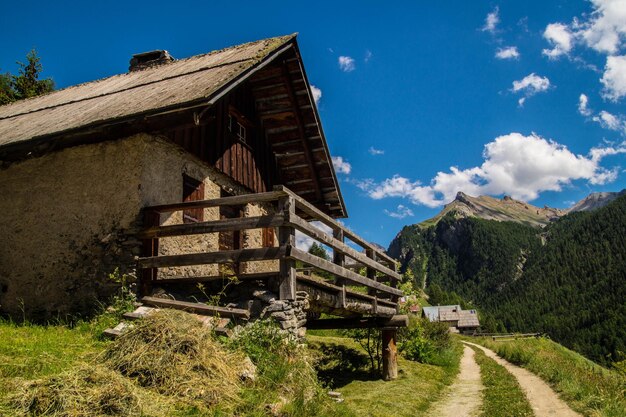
(287, 236)
(390, 354)
(149, 247)
(338, 257)
(371, 274)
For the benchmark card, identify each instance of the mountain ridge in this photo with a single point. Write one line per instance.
(509, 209)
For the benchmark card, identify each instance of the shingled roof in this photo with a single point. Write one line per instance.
(61, 118)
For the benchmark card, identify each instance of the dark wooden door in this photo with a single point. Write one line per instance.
(231, 240)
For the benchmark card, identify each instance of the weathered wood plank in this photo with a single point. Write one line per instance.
(346, 274)
(358, 322)
(317, 214)
(197, 308)
(224, 225)
(240, 255)
(332, 288)
(312, 231)
(210, 278)
(236, 200)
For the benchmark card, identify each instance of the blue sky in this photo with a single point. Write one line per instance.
(419, 100)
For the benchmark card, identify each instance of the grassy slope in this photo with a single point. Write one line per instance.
(31, 352)
(417, 387)
(585, 386)
(502, 396)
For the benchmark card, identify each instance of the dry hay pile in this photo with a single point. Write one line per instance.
(166, 359)
(176, 355)
(83, 391)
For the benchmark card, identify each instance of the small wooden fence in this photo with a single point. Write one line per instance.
(290, 213)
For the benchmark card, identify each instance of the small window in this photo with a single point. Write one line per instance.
(238, 125)
(193, 190)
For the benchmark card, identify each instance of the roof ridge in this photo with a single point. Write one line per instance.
(127, 88)
(283, 39)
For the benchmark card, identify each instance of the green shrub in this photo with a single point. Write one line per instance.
(424, 341)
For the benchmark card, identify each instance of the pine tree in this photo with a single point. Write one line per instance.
(27, 83)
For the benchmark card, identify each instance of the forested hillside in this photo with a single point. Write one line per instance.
(568, 279)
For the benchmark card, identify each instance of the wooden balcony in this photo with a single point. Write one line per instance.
(364, 282)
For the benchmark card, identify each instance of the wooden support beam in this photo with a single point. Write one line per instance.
(225, 225)
(228, 256)
(197, 308)
(299, 120)
(211, 278)
(287, 238)
(359, 323)
(346, 274)
(390, 354)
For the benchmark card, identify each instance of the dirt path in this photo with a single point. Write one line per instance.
(464, 397)
(541, 397)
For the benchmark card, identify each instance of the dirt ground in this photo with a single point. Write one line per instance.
(464, 397)
(543, 400)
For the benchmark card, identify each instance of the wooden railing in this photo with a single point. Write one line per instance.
(291, 213)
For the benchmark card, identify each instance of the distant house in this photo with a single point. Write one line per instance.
(459, 320)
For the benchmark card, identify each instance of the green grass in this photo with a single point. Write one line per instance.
(502, 396)
(417, 387)
(32, 351)
(586, 386)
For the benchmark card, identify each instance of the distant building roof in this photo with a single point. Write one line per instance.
(465, 318)
(468, 318)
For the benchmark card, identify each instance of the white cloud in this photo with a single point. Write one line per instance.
(614, 78)
(341, 166)
(608, 120)
(603, 30)
(317, 94)
(368, 55)
(491, 21)
(561, 39)
(374, 151)
(346, 63)
(510, 52)
(400, 213)
(531, 84)
(607, 26)
(583, 108)
(514, 164)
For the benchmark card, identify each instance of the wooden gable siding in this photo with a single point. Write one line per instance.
(252, 164)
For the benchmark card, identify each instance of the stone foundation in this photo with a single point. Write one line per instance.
(290, 315)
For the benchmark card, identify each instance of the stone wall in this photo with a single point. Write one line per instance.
(69, 220)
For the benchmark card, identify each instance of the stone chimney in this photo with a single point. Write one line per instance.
(150, 59)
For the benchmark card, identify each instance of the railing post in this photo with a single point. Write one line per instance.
(338, 257)
(371, 273)
(287, 237)
(149, 247)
